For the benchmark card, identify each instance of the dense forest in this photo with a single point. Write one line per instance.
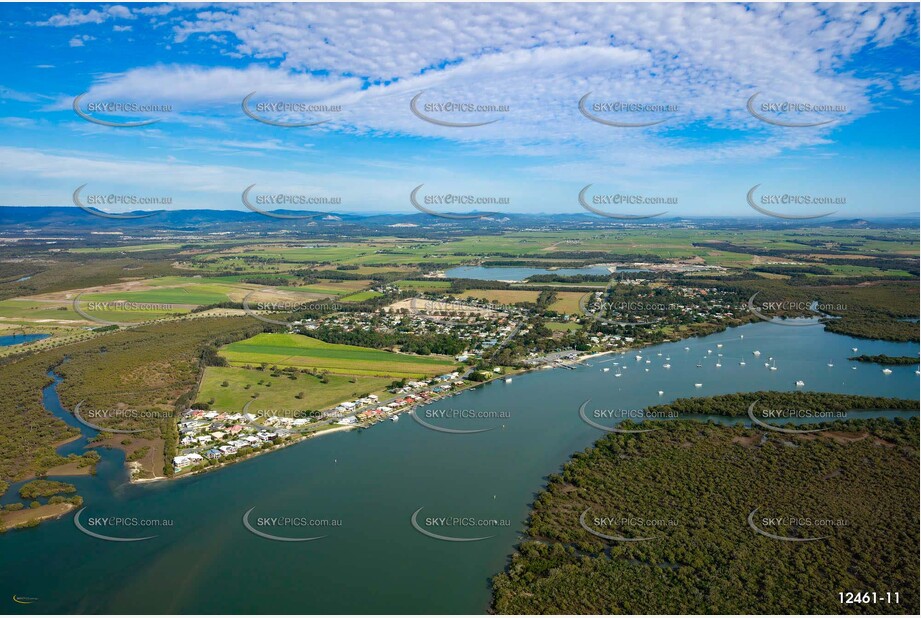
(690, 488)
(884, 359)
(144, 373)
(736, 404)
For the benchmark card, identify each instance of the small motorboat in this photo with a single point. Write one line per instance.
(887, 371)
(800, 383)
(698, 385)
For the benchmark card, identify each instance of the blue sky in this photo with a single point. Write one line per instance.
(367, 62)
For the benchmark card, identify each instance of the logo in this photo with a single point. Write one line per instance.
(24, 600)
(412, 414)
(108, 521)
(107, 215)
(612, 123)
(751, 307)
(109, 123)
(751, 415)
(280, 307)
(80, 418)
(782, 107)
(784, 199)
(777, 537)
(246, 202)
(597, 314)
(606, 413)
(276, 123)
(609, 537)
(631, 199)
(278, 521)
(448, 200)
(448, 107)
(462, 521)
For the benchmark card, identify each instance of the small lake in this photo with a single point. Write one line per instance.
(8, 340)
(373, 480)
(514, 273)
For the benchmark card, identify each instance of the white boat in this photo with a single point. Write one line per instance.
(917, 372)
(756, 353)
(507, 380)
(719, 345)
(686, 348)
(856, 368)
(617, 375)
(667, 366)
(394, 418)
(800, 383)
(661, 392)
(649, 361)
(741, 336)
(638, 357)
(767, 364)
(606, 369)
(698, 385)
(647, 368)
(720, 355)
(668, 358)
(700, 364)
(709, 351)
(853, 349)
(659, 354)
(742, 363)
(887, 371)
(773, 368)
(719, 365)
(831, 364)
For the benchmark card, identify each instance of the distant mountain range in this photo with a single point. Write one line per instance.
(36, 221)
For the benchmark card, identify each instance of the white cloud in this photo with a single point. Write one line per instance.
(80, 39)
(76, 17)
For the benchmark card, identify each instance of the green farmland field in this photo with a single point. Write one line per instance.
(287, 350)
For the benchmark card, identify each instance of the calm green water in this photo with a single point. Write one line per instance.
(375, 479)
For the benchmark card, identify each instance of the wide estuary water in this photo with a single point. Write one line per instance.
(372, 482)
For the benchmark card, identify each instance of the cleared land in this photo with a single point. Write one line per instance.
(281, 391)
(287, 350)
